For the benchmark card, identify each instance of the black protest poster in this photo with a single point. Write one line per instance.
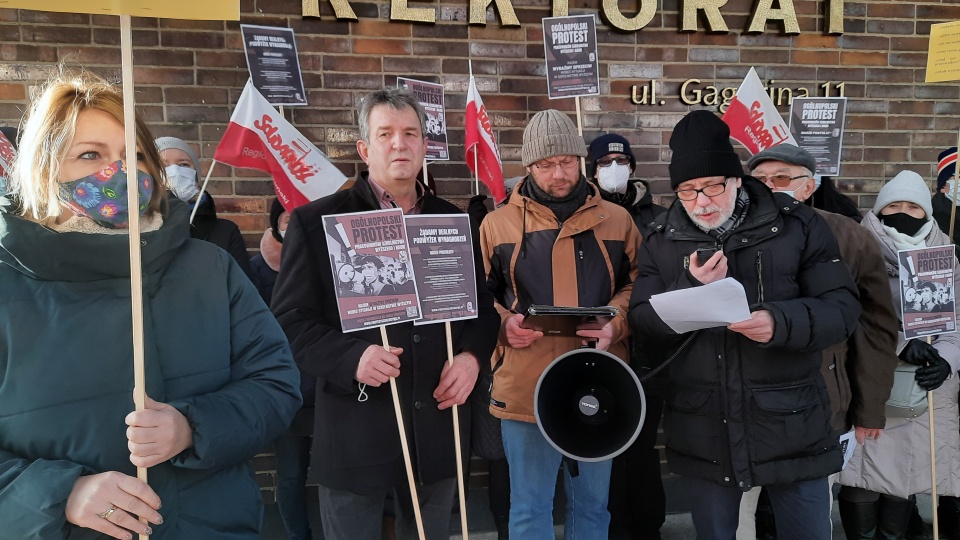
(441, 249)
(273, 63)
(570, 50)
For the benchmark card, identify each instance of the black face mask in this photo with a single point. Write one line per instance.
(904, 223)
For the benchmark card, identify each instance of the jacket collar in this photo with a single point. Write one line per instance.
(41, 253)
(544, 213)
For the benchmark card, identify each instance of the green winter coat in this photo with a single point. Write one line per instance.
(212, 348)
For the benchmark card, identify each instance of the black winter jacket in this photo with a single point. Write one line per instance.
(356, 445)
(221, 232)
(638, 201)
(738, 412)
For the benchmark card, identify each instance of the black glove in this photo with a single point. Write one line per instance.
(931, 376)
(918, 352)
(477, 208)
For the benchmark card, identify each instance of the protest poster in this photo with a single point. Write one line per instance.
(441, 250)
(926, 291)
(274, 64)
(753, 118)
(430, 97)
(817, 125)
(570, 50)
(943, 54)
(373, 276)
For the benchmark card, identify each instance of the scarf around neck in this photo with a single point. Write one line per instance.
(562, 208)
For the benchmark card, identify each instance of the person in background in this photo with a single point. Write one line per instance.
(182, 167)
(942, 200)
(637, 505)
(292, 448)
(747, 405)
(826, 197)
(883, 475)
(858, 372)
(220, 379)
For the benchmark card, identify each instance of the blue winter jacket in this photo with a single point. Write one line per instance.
(212, 350)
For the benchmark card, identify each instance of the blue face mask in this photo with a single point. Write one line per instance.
(102, 196)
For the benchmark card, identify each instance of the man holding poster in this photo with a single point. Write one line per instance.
(356, 456)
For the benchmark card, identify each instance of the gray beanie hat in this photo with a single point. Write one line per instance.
(905, 186)
(790, 154)
(551, 133)
(166, 143)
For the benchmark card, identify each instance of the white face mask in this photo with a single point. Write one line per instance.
(613, 178)
(816, 181)
(182, 181)
(283, 232)
(789, 192)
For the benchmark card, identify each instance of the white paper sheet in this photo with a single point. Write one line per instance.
(708, 306)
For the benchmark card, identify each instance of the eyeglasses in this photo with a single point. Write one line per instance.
(780, 180)
(712, 190)
(607, 161)
(565, 163)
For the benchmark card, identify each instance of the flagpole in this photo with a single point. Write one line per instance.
(403, 443)
(583, 162)
(476, 171)
(203, 189)
(456, 440)
(133, 203)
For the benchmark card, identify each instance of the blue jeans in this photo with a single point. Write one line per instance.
(533, 482)
(801, 509)
(293, 458)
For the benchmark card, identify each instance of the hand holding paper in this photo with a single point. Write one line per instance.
(715, 304)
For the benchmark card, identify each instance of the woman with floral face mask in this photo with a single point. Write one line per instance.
(220, 379)
(182, 167)
(885, 473)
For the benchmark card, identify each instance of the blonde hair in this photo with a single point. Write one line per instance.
(48, 131)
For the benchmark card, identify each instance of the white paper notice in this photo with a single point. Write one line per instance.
(708, 306)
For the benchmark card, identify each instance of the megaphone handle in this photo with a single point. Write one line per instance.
(572, 465)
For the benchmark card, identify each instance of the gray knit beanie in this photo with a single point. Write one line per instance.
(905, 186)
(551, 133)
(166, 143)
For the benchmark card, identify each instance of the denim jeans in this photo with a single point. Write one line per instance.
(533, 481)
(801, 509)
(293, 458)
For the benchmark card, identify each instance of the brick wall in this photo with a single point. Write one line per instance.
(189, 74)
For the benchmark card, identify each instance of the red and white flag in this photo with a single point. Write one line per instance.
(258, 137)
(481, 154)
(753, 118)
(7, 153)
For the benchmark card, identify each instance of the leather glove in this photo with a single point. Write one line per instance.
(931, 376)
(918, 352)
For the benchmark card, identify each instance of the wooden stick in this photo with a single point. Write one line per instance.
(956, 184)
(133, 203)
(403, 442)
(203, 189)
(933, 456)
(583, 161)
(456, 440)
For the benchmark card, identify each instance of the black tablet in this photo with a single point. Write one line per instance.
(565, 321)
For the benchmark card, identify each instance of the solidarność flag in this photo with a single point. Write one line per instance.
(481, 154)
(753, 118)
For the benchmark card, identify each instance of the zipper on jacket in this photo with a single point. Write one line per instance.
(760, 277)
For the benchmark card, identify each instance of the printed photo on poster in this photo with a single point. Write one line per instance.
(371, 267)
(926, 291)
(430, 97)
(817, 126)
(570, 50)
(441, 249)
(274, 64)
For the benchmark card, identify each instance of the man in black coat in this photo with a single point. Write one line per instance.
(746, 405)
(356, 455)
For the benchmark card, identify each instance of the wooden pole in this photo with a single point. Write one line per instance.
(456, 440)
(933, 455)
(403, 442)
(133, 203)
(583, 162)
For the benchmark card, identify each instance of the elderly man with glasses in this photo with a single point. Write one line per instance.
(747, 405)
(556, 242)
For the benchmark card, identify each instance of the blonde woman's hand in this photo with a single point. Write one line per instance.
(109, 503)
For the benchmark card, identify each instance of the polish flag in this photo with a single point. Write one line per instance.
(7, 153)
(482, 156)
(753, 118)
(258, 137)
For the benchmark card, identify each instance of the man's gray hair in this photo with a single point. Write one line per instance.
(396, 98)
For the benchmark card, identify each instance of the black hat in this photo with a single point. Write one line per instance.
(946, 166)
(275, 210)
(604, 145)
(701, 147)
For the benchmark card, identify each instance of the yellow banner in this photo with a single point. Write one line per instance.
(204, 10)
(943, 57)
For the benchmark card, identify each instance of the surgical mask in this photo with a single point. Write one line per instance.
(904, 223)
(613, 178)
(283, 232)
(817, 179)
(183, 182)
(102, 196)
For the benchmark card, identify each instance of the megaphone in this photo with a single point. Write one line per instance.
(589, 405)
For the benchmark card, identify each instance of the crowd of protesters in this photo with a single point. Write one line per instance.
(754, 407)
